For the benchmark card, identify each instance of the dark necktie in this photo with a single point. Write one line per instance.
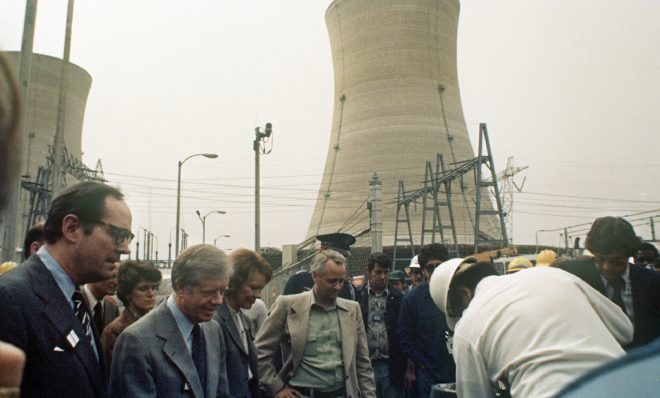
(618, 285)
(80, 309)
(98, 317)
(199, 354)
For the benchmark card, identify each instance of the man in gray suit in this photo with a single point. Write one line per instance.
(177, 350)
(324, 346)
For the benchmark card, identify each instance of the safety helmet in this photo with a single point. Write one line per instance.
(439, 287)
(518, 264)
(545, 258)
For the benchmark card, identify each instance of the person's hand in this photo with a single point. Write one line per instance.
(288, 392)
(12, 361)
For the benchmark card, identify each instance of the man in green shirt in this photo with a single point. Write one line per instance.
(324, 345)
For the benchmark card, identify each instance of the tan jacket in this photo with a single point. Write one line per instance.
(287, 325)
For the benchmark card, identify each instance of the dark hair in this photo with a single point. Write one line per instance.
(35, 234)
(467, 276)
(199, 262)
(648, 247)
(85, 200)
(246, 262)
(612, 234)
(379, 258)
(131, 273)
(431, 251)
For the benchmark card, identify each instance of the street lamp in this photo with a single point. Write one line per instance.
(215, 240)
(259, 137)
(178, 195)
(203, 220)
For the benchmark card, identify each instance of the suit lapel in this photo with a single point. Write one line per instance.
(211, 339)
(348, 330)
(61, 316)
(175, 348)
(298, 322)
(228, 320)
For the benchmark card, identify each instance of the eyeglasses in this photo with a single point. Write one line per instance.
(119, 234)
(415, 270)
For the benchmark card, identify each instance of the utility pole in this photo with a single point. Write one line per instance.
(376, 214)
(58, 141)
(259, 137)
(10, 222)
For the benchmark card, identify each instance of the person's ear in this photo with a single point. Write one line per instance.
(72, 228)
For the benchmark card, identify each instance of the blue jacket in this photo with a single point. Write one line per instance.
(397, 360)
(422, 335)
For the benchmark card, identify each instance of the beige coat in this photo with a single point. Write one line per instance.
(287, 325)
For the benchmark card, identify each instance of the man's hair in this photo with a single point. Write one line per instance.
(322, 257)
(85, 200)
(648, 247)
(612, 234)
(430, 251)
(131, 273)
(35, 234)
(467, 276)
(379, 258)
(245, 263)
(199, 262)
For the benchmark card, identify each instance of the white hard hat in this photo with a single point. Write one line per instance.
(439, 287)
(414, 263)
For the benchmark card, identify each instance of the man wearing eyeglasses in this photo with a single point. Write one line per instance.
(636, 290)
(41, 304)
(422, 328)
(324, 345)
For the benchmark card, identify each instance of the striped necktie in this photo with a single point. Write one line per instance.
(80, 309)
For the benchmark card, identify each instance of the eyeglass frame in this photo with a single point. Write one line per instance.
(119, 234)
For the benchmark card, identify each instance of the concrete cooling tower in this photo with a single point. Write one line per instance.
(397, 104)
(41, 120)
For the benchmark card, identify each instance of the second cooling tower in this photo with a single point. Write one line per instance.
(397, 104)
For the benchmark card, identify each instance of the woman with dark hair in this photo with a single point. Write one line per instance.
(137, 286)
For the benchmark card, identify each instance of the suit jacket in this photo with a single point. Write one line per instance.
(37, 318)
(110, 310)
(151, 359)
(112, 331)
(286, 325)
(238, 358)
(397, 361)
(645, 286)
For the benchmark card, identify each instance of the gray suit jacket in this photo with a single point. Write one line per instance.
(286, 325)
(237, 357)
(151, 359)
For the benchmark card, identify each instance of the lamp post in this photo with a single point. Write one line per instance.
(203, 220)
(178, 194)
(259, 137)
(215, 240)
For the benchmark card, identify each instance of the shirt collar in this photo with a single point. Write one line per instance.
(385, 291)
(90, 297)
(62, 279)
(182, 322)
(313, 303)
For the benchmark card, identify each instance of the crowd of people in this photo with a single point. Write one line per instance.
(531, 332)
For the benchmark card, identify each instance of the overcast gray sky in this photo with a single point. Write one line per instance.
(569, 88)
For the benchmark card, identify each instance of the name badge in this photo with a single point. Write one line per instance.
(73, 339)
